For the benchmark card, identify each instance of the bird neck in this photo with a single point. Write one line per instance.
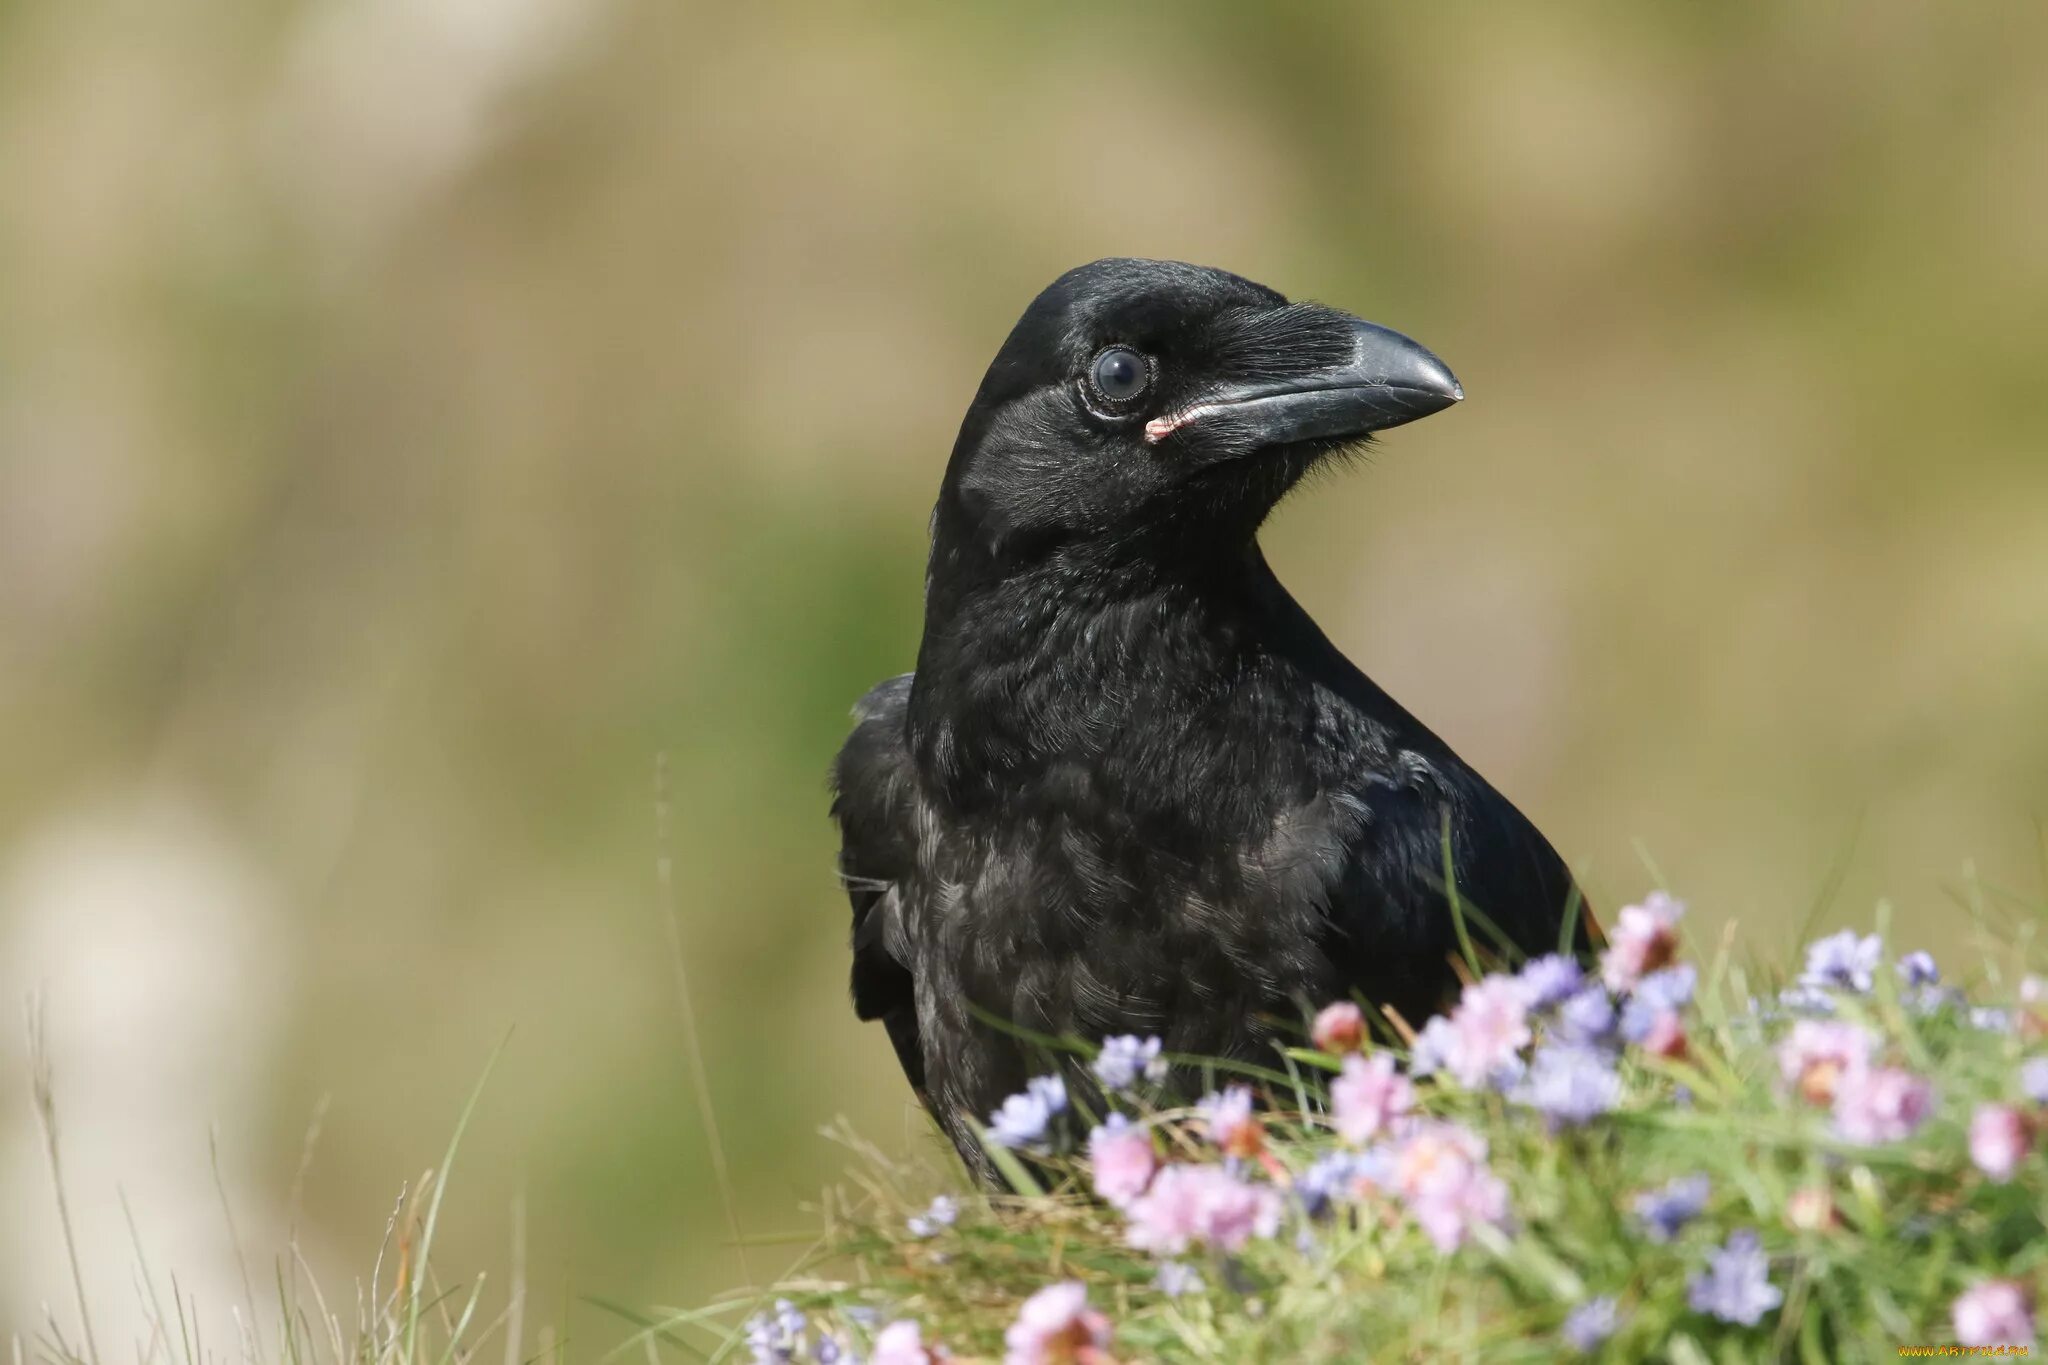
(1064, 658)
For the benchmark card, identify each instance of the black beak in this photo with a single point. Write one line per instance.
(1387, 381)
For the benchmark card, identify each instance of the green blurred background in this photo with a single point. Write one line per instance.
(416, 415)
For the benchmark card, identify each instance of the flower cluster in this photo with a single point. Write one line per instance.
(1406, 1156)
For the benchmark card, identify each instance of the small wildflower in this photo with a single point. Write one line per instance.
(1883, 1104)
(1999, 1138)
(1569, 1085)
(832, 1351)
(1189, 1203)
(1586, 1019)
(1994, 1313)
(1591, 1323)
(1810, 1209)
(1338, 1028)
(1124, 1059)
(1230, 1123)
(1432, 1049)
(1122, 1160)
(2034, 1079)
(1653, 1010)
(1439, 1169)
(901, 1343)
(1844, 961)
(1809, 1001)
(775, 1337)
(1177, 1279)
(1550, 980)
(1817, 1055)
(940, 1213)
(1057, 1325)
(1736, 1285)
(1990, 1019)
(1368, 1096)
(1664, 1211)
(1489, 1028)
(1918, 969)
(1645, 938)
(1327, 1180)
(1024, 1119)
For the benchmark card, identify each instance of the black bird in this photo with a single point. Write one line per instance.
(1131, 787)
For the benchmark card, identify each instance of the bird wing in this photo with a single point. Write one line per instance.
(1391, 931)
(874, 801)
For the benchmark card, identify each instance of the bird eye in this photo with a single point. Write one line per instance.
(1121, 374)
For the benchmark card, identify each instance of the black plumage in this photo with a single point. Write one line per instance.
(1131, 787)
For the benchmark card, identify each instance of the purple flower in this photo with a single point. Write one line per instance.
(1990, 1019)
(1188, 1203)
(1591, 1323)
(1845, 961)
(2034, 1079)
(939, 1214)
(1175, 1279)
(1994, 1313)
(1432, 1049)
(900, 1343)
(775, 1337)
(1024, 1118)
(1586, 1019)
(1817, 1055)
(1810, 1001)
(1368, 1096)
(1881, 1104)
(1122, 1060)
(1645, 938)
(1547, 981)
(1338, 1028)
(1651, 1015)
(1999, 1138)
(1056, 1325)
(1439, 1169)
(1122, 1160)
(1569, 1085)
(1665, 1211)
(1489, 1028)
(1230, 1123)
(1918, 969)
(1328, 1180)
(1736, 1285)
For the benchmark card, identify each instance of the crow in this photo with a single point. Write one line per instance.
(1131, 788)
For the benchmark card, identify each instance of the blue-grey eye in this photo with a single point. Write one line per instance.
(1121, 374)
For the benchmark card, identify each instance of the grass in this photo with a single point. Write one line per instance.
(1865, 1245)
(413, 1318)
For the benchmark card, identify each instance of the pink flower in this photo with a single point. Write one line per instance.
(1189, 1203)
(1645, 939)
(1994, 1313)
(1666, 1037)
(1339, 1028)
(1999, 1138)
(1881, 1104)
(1056, 1326)
(1817, 1055)
(1811, 1209)
(1120, 1153)
(1489, 1028)
(1230, 1122)
(900, 1343)
(1368, 1096)
(1440, 1171)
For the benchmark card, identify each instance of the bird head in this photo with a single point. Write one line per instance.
(1149, 408)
